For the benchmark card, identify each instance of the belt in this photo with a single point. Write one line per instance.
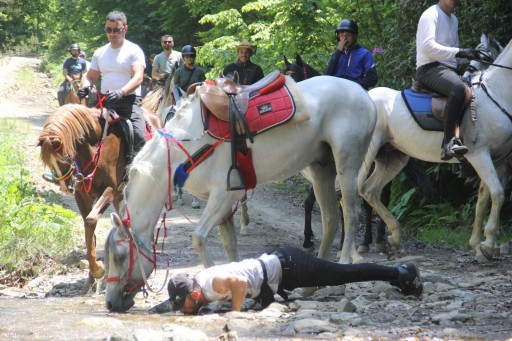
(284, 268)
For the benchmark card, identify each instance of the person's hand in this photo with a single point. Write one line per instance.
(113, 96)
(467, 53)
(83, 92)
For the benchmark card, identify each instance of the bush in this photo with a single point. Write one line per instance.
(30, 228)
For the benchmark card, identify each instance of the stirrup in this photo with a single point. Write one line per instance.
(240, 185)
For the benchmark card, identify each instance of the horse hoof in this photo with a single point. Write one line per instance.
(483, 254)
(99, 272)
(244, 231)
(363, 248)
(380, 247)
(196, 204)
(309, 249)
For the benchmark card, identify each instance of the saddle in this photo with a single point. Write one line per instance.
(438, 100)
(228, 101)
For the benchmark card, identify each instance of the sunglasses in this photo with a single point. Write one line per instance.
(115, 30)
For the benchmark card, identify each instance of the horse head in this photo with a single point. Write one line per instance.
(299, 70)
(129, 254)
(128, 264)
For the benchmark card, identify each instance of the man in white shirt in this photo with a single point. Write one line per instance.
(437, 47)
(121, 65)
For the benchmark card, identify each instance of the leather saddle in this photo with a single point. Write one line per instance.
(438, 100)
(215, 95)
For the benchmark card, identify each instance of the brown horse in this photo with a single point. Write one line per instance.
(72, 147)
(71, 94)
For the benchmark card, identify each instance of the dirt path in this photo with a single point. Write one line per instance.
(462, 300)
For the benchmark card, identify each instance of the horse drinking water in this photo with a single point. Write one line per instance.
(328, 133)
(72, 146)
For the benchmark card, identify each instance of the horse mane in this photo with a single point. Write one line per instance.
(63, 130)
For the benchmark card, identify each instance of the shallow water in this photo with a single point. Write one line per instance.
(76, 318)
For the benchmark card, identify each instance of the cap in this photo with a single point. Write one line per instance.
(179, 287)
(83, 54)
(245, 44)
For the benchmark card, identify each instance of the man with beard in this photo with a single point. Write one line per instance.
(164, 63)
(72, 66)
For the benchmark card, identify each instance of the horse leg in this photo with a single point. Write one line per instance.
(368, 236)
(218, 208)
(387, 166)
(244, 217)
(380, 241)
(308, 231)
(483, 165)
(341, 227)
(481, 207)
(96, 268)
(323, 178)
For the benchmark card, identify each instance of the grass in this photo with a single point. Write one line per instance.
(31, 229)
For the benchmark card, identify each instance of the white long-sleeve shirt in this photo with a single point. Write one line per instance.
(437, 38)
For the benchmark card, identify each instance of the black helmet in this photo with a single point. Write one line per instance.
(347, 25)
(74, 46)
(188, 50)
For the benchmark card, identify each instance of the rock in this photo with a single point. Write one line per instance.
(451, 316)
(312, 326)
(84, 264)
(183, 333)
(101, 322)
(340, 318)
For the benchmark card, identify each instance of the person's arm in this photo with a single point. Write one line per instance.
(66, 76)
(90, 78)
(136, 80)
(258, 75)
(237, 285)
(370, 76)
(330, 70)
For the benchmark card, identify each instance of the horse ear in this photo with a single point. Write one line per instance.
(236, 77)
(298, 60)
(116, 222)
(286, 62)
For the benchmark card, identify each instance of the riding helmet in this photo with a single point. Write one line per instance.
(74, 46)
(188, 50)
(347, 25)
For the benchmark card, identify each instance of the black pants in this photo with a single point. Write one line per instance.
(129, 107)
(447, 82)
(301, 269)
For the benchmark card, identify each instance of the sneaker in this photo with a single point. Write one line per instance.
(454, 148)
(50, 178)
(409, 280)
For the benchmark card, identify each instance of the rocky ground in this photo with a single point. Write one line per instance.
(462, 299)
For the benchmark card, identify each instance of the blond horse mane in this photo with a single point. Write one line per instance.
(64, 129)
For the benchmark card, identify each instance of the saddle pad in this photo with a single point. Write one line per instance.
(420, 107)
(264, 112)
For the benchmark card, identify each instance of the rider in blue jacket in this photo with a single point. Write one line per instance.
(350, 60)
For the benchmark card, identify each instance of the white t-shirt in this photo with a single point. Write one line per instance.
(115, 65)
(249, 268)
(437, 38)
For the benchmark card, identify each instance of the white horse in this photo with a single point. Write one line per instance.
(488, 140)
(332, 141)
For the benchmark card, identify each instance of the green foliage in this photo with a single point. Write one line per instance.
(30, 228)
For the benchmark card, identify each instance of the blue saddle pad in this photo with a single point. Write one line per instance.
(420, 107)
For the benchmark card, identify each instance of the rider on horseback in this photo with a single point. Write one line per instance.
(437, 48)
(72, 66)
(350, 60)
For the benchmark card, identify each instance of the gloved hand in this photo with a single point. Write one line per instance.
(467, 53)
(83, 92)
(113, 96)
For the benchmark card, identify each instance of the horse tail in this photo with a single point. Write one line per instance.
(418, 177)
